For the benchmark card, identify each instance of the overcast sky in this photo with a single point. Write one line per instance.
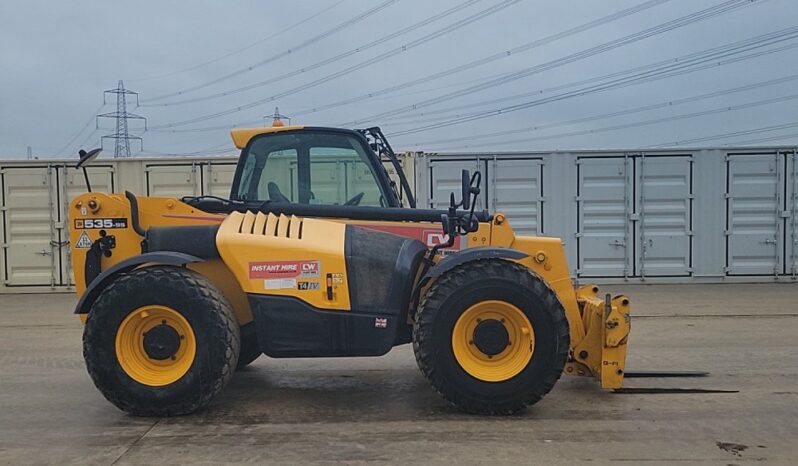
(58, 57)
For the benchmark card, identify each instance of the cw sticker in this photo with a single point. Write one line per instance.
(285, 269)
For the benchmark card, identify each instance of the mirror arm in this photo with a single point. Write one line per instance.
(86, 177)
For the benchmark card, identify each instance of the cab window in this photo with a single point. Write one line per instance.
(307, 167)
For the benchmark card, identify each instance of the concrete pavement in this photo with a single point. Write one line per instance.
(380, 410)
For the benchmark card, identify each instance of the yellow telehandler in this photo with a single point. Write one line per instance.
(314, 255)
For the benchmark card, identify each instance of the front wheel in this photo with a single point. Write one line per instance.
(161, 341)
(491, 337)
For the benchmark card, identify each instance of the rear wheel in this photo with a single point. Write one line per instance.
(161, 341)
(491, 337)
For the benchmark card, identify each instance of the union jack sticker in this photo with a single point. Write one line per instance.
(380, 322)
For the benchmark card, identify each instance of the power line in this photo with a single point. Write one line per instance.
(284, 53)
(243, 49)
(450, 28)
(710, 58)
(326, 61)
(767, 139)
(637, 124)
(66, 146)
(228, 126)
(648, 78)
(90, 135)
(211, 128)
(670, 68)
(214, 149)
(603, 116)
(725, 7)
(636, 79)
(491, 58)
(516, 97)
(764, 129)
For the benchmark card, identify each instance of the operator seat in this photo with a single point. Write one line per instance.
(275, 195)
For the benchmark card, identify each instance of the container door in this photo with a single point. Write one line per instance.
(30, 217)
(663, 228)
(72, 184)
(360, 183)
(753, 209)
(445, 178)
(326, 182)
(515, 188)
(791, 213)
(404, 163)
(174, 180)
(604, 194)
(219, 179)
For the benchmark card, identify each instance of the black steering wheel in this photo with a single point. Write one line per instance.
(355, 200)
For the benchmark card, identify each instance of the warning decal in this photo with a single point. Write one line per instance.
(84, 242)
(285, 269)
(308, 286)
(279, 283)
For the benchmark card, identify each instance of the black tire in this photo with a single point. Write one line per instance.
(250, 349)
(211, 319)
(466, 285)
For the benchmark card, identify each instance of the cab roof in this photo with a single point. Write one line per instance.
(242, 136)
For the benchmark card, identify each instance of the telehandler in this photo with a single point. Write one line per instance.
(315, 254)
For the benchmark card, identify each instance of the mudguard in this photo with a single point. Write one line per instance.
(451, 261)
(97, 285)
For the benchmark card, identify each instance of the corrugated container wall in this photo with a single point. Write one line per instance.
(708, 215)
(36, 194)
(705, 215)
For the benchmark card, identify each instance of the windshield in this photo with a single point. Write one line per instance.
(310, 167)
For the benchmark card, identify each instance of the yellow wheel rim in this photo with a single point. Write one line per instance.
(507, 363)
(134, 358)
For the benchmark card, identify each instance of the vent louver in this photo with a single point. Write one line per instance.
(271, 225)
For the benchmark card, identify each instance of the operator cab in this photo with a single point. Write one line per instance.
(324, 173)
(312, 166)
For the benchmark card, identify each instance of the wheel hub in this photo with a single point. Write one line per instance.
(161, 342)
(155, 345)
(491, 337)
(493, 340)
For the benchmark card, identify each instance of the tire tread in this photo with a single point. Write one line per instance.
(454, 281)
(198, 293)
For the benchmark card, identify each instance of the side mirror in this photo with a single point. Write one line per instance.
(466, 189)
(87, 157)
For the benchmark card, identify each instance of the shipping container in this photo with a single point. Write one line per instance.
(686, 215)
